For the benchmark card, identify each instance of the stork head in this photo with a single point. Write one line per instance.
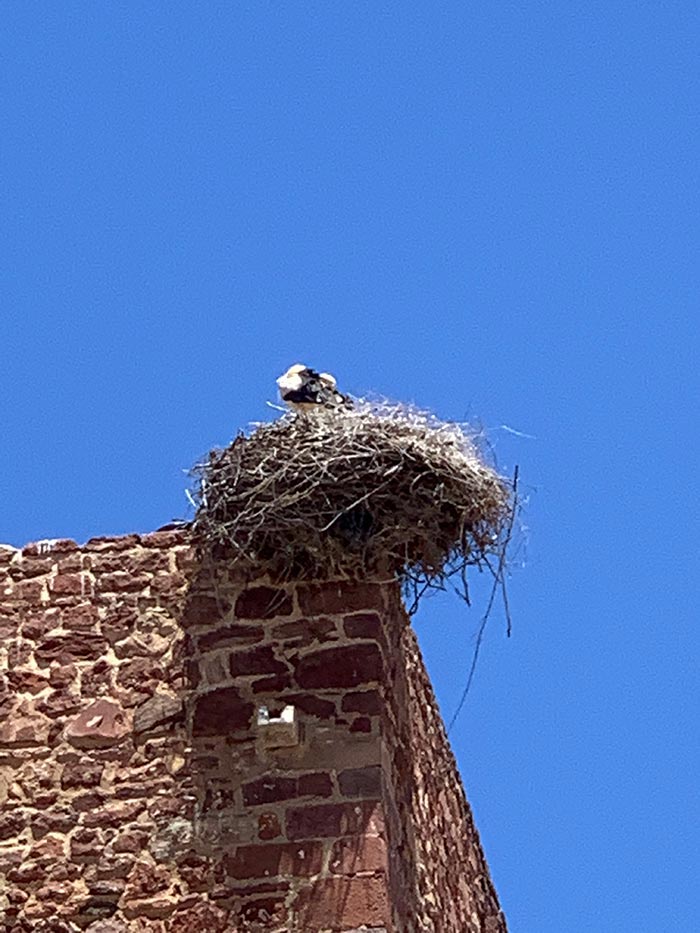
(293, 379)
(328, 380)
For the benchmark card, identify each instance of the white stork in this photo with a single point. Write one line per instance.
(303, 389)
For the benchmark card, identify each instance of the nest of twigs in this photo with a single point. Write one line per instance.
(377, 488)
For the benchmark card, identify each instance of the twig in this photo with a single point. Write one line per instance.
(498, 583)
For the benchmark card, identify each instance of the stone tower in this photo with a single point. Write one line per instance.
(183, 750)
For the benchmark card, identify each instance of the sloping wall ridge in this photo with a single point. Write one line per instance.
(183, 751)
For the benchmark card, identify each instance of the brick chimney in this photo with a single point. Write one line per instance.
(184, 751)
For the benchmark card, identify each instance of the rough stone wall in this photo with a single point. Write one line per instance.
(93, 771)
(139, 791)
(438, 869)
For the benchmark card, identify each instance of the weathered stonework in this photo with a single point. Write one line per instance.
(142, 790)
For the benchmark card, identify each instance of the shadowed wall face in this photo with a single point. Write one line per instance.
(179, 752)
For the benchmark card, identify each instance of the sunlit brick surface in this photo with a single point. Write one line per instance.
(138, 792)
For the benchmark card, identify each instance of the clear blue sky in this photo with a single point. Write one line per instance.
(488, 208)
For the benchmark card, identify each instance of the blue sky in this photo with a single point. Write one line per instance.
(488, 209)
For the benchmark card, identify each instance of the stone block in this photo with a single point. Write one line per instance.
(200, 918)
(343, 903)
(221, 712)
(76, 646)
(368, 701)
(355, 855)
(259, 660)
(230, 636)
(25, 726)
(263, 602)
(202, 609)
(364, 625)
(361, 782)
(101, 724)
(275, 859)
(159, 711)
(343, 596)
(82, 773)
(344, 666)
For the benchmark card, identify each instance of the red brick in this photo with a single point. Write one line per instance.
(27, 873)
(78, 646)
(361, 724)
(343, 596)
(19, 652)
(59, 819)
(346, 666)
(273, 788)
(166, 539)
(273, 684)
(82, 773)
(364, 625)
(59, 703)
(284, 859)
(131, 841)
(12, 823)
(230, 635)
(314, 822)
(343, 904)
(333, 819)
(251, 888)
(113, 814)
(119, 543)
(28, 591)
(305, 630)
(269, 826)
(62, 675)
(122, 582)
(141, 674)
(39, 548)
(158, 713)
(260, 660)
(358, 854)
(146, 879)
(221, 712)
(315, 784)
(268, 790)
(71, 584)
(10, 625)
(133, 563)
(201, 609)
(200, 918)
(311, 704)
(7, 552)
(262, 913)
(97, 679)
(79, 618)
(23, 681)
(91, 800)
(168, 588)
(100, 724)
(361, 782)
(25, 726)
(28, 567)
(50, 847)
(86, 844)
(120, 621)
(263, 602)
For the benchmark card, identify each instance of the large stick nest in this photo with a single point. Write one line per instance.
(352, 492)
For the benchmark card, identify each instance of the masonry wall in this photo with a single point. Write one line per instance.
(141, 789)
